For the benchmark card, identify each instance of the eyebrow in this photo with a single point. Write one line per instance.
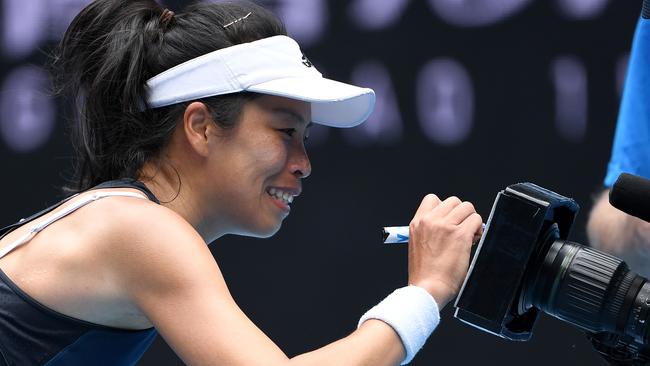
(293, 115)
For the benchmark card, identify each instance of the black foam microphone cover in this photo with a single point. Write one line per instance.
(631, 194)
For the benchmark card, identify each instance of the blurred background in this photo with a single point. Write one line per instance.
(472, 95)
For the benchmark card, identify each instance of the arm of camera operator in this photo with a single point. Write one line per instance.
(620, 234)
(610, 229)
(184, 295)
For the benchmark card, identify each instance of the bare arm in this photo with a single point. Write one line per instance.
(172, 277)
(620, 234)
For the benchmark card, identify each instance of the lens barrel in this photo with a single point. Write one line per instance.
(591, 289)
(637, 323)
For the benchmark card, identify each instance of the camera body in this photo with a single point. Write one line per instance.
(525, 265)
(491, 297)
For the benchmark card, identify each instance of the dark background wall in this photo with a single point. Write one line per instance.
(472, 96)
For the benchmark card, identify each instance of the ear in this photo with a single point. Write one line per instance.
(197, 124)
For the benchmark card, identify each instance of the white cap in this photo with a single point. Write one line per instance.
(273, 66)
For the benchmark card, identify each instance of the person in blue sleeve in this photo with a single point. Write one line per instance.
(609, 229)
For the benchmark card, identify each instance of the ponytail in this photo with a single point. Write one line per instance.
(109, 52)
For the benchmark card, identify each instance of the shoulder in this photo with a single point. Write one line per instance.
(149, 247)
(137, 241)
(140, 219)
(157, 261)
(121, 222)
(136, 226)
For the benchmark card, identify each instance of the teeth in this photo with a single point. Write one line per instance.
(284, 196)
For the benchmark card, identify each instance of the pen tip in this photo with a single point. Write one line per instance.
(384, 235)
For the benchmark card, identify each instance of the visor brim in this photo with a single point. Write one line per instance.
(333, 103)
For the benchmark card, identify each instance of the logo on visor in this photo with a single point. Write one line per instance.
(306, 62)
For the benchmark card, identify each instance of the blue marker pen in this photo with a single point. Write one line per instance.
(395, 234)
(400, 234)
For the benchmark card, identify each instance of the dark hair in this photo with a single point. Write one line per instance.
(109, 52)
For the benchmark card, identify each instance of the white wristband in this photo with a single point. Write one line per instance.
(412, 312)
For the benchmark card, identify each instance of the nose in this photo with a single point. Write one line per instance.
(299, 163)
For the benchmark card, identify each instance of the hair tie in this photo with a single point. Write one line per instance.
(165, 18)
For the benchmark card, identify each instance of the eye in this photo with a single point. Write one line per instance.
(288, 131)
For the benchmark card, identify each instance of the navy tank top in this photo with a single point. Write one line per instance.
(32, 334)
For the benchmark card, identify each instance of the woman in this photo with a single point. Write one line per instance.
(192, 126)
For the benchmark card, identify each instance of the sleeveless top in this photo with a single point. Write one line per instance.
(33, 334)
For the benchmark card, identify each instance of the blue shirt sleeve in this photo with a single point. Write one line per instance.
(631, 149)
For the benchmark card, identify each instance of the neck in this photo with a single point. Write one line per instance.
(176, 192)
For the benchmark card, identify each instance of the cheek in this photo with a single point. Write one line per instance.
(247, 170)
(268, 155)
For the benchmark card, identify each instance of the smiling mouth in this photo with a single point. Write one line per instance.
(285, 197)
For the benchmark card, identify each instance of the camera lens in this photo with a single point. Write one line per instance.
(588, 288)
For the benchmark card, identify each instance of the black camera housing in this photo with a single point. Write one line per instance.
(490, 298)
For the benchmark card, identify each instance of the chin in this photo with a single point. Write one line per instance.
(259, 232)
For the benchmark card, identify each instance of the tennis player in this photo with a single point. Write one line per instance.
(191, 126)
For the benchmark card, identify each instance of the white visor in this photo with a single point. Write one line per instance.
(274, 66)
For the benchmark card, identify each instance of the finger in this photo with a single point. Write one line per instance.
(429, 202)
(459, 213)
(445, 207)
(473, 223)
(479, 234)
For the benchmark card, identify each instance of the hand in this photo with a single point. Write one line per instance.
(441, 236)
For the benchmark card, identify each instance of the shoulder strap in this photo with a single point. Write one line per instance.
(7, 229)
(129, 183)
(35, 229)
(118, 183)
